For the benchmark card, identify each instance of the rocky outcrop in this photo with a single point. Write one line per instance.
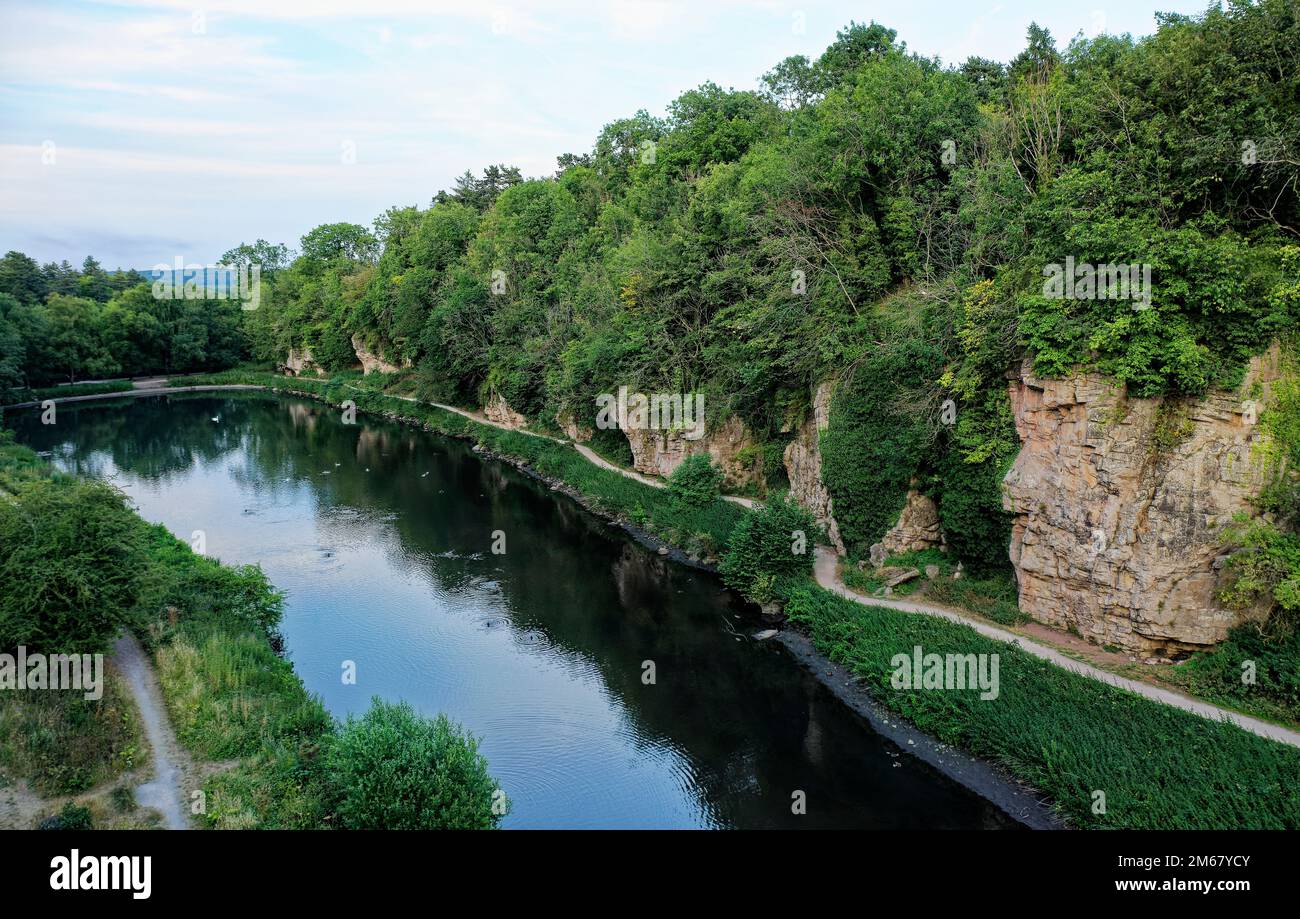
(803, 465)
(917, 528)
(300, 361)
(370, 361)
(1120, 505)
(498, 412)
(659, 452)
(568, 423)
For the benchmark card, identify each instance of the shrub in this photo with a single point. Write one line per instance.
(72, 817)
(400, 771)
(71, 563)
(696, 481)
(763, 546)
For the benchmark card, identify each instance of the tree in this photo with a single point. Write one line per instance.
(93, 283)
(696, 481)
(332, 243)
(397, 770)
(854, 46)
(270, 258)
(793, 83)
(21, 278)
(772, 542)
(76, 340)
(71, 559)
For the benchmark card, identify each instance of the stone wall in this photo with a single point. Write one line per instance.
(568, 423)
(1120, 505)
(803, 464)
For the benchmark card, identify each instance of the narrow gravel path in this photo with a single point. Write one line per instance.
(164, 792)
(826, 570)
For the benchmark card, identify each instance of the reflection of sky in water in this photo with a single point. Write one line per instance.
(381, 535)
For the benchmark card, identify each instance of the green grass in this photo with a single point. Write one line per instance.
(61, 743)
(995, 598)
(230, 695)
(1065, 734)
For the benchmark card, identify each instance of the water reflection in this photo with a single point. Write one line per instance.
(382, 534)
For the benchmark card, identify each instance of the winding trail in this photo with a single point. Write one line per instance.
(826, 571)
(589, 454)
(164, 792)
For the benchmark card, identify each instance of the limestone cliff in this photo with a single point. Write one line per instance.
(568, 423)
(1120, 505)
(659, 452)
(498, 412)
(803, 464)
(370, 361)
(917, 528)
(299, 362)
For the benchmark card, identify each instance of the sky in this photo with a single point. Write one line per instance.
(142, 131)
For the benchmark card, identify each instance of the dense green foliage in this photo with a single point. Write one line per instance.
(400, 771)
(696, 481)
(71, 561)
(872, 216)
(772, 542)
(1066, 734)
(61, 325)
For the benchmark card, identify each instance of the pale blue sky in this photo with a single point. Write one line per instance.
(143, 130)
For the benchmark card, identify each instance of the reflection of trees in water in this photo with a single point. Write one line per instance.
(154, 437)
(751, 725)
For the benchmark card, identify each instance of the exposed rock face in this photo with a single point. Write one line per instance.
(371, 362)
(803, 465)
(300, 361)
(659, 452)
(498, 412)
(569, 425)
(917, 527)
(1120, 505)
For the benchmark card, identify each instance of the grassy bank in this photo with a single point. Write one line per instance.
(233, 700)
(1067, 735)
(61, 743)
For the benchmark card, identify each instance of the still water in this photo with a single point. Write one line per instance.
(381, 536)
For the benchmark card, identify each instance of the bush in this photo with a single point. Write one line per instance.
(764, 547)
(696, 481)
(72, 817)
(400, 771)
(71, 561)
